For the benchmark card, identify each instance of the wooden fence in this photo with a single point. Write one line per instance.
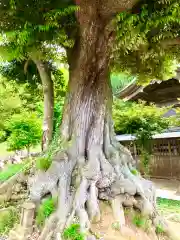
(165, 158)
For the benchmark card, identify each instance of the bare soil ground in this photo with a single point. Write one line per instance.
(106, 231)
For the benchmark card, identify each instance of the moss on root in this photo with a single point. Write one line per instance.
(43, 163)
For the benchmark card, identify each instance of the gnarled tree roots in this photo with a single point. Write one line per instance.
(80, 183)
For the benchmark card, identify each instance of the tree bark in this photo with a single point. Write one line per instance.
(48, 92)
(93, 165)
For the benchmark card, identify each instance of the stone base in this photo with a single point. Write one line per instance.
(20, 233)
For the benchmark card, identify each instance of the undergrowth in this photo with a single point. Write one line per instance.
(7, 220)
(73, 233)
(45, 210)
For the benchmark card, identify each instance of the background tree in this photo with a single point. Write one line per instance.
(32, 90)
(25, 132)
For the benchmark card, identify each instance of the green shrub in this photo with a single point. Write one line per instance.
(43, 163)
(7, 220)
(10, 170)
(73, 233)
(45, 210)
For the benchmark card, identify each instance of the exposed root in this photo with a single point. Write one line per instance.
(96, 178)
(118, 211)
(93, 204)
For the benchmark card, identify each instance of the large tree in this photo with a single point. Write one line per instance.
(93, 165)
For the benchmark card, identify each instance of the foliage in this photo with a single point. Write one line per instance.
(73, 233)
(142, 120)
(10, 102)
(2, 136)
(45, 210)
(150, 47)
(7, 220)
(35, 33)
(120, 81)
(139, 118)
(25, 131)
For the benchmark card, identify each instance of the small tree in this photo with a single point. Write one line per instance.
(25, 132)
(142, 120)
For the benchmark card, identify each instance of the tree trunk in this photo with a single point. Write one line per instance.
(48, 91)
(94, 165)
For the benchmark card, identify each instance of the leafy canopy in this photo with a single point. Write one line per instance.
(148, 40)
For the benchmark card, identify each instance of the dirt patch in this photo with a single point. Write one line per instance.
(106, 230)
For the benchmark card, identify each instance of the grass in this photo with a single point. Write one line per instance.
(169, 207)
(7, 220)
(10, 170)
(141, 222)
(45, 210)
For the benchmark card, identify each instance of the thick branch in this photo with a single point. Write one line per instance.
(109, 8)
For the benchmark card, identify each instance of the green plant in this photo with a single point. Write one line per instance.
(43, 163)
(73, 233)
(134, 172)
(7, 220)
(159, 229)
(138, 220)
(141, 221)
(45, 210)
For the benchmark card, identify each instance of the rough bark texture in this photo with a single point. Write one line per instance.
(94, 166)
(48, 92)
